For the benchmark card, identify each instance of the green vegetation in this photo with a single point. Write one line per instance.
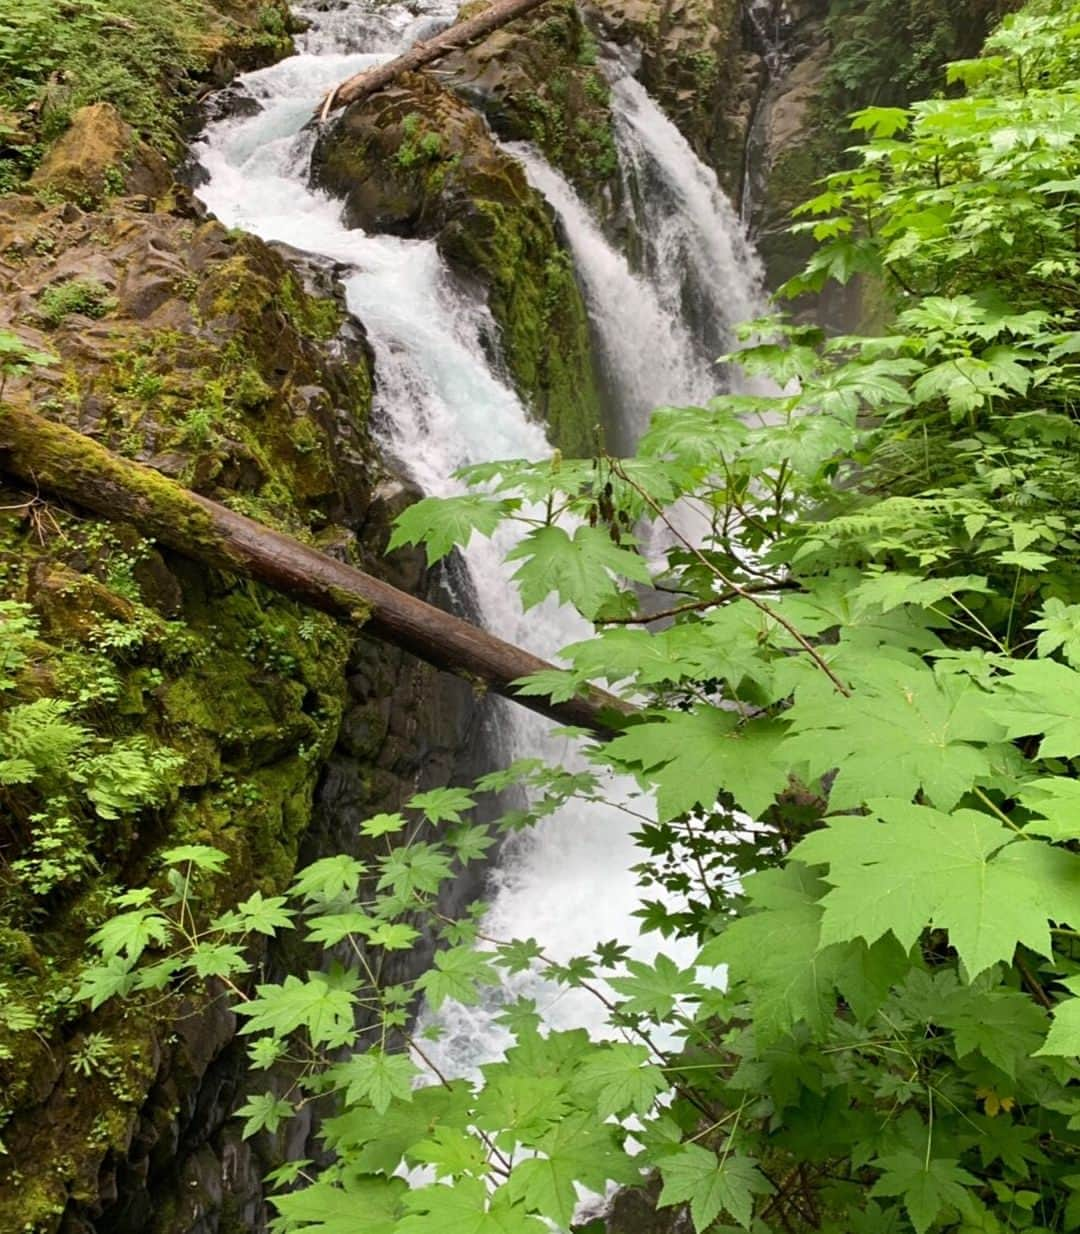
(860, 725)
(145, 59)
(82, 296)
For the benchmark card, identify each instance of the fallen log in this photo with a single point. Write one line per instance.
(362, 85)
(59, 461)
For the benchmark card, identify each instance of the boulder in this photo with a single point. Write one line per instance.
(100, 156)
(416, 161)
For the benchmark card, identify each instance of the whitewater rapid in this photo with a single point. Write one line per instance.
(441, 405)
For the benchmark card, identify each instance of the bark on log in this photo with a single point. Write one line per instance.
(57, 460)
(368, 82)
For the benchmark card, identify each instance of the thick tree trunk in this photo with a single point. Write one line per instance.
(364, 84)
(56, 460)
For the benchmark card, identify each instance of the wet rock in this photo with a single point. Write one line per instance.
(689, 56)
(417, 161)
(538, 80)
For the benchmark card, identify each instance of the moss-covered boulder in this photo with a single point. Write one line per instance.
(99, 155)
(149, 62)
(417, 161)
(537, 80)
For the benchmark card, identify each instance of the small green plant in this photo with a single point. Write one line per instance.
(87, 1060)
(84, 296)
(18, 357)
(420, 144)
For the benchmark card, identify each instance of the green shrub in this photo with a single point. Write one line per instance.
(83, 296)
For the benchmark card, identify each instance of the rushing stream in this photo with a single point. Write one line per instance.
(441, 404)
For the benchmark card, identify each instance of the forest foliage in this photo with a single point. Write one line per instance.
(861, 726)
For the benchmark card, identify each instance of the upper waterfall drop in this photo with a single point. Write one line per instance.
(649, 357)
(696, 250)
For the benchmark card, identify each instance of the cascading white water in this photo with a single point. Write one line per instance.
(695, 249)
(649, 356)
(440, 405)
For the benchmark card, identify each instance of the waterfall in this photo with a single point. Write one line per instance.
(441, 404)
(696, 252)
(648, 355)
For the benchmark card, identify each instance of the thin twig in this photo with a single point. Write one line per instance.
(644, 619)
(1032, 983)
(737, 588)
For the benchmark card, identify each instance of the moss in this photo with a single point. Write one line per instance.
(247, 687)
(148, 61)
(251, 689)
(83, 296)
(316, 317)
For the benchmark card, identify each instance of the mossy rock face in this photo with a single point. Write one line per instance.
(416, 161)
(537, 80)
(149, 62)
(203, 354)
(98, 155)
(195, 350)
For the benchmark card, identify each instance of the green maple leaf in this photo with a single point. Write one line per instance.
(382, 825)
(1005, 1027)
(456, 974)
(393, 935)
(375, 1076)
(964, 872)
(577, 1149)
(443, 804)
(216, 960)
(694, 434)
(329, 879)
(325, 1208)
(1010, 1143)
(465, 1208)
(1064, 1035)
(524, 1104)
(777, 952)
(262, 915)
(442, 523)
(376, 1143)
(1056, 799)
(201, 856)
(926, 1187)
(581, 571)
(417, 868)
(653, 989)
(881, 121)
(891, 588)
(324, 1008)
(903, 730)
(469, 843)
(451, 1152)
(1043, 698)
(695, 1176)
(693, 757)
(333, 927)
(619, 1080)
(100, 982)
(266, 1111)
(131, 933)
(1060, 626)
